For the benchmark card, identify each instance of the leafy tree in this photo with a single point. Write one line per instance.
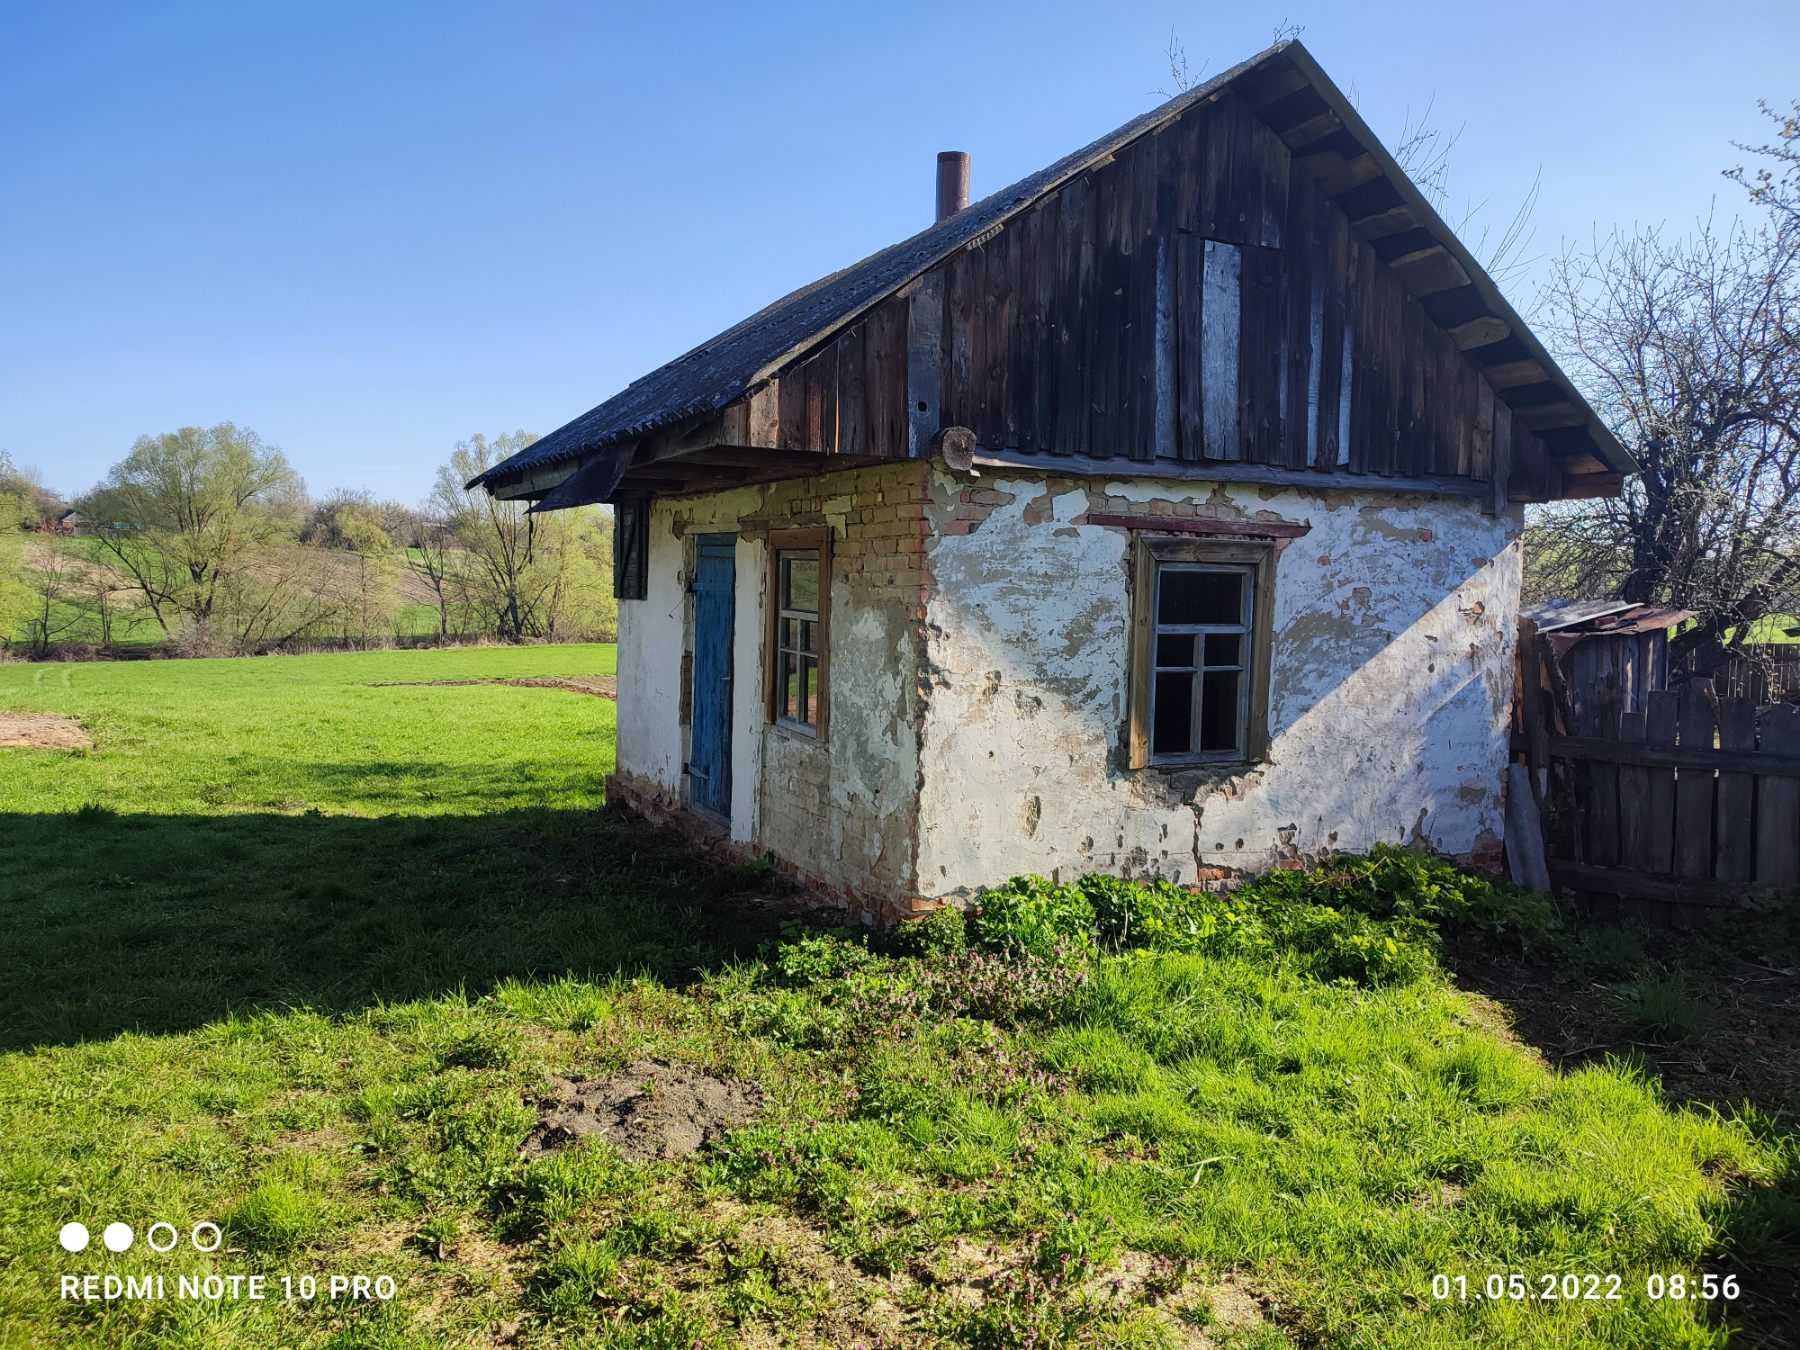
(186, 514)
(348, 520)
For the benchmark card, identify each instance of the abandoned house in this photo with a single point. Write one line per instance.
(1157, 515)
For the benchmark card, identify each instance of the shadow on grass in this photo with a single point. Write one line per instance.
(114, 923)
(1734, 1053)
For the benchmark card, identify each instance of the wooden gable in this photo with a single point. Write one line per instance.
(1200, 298)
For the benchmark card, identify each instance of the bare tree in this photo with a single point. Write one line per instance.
(1689, 348)
(433, 555)
(1424, 150)
(50, 578)
(524, 575)
(1775, 183)
(105, 598)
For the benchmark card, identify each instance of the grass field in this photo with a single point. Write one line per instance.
(294, 953)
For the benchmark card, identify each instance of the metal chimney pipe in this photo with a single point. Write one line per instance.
(952, 182)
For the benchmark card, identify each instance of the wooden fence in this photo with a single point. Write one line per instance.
(1688, 798)
(1762, 674)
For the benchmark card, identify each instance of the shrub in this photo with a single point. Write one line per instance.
(1155, 914)
(1406, 884)
(817, 957)
(1374, 919)
(1030, 914)
(943, 932)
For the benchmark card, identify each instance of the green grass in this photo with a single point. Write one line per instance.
(291, 953)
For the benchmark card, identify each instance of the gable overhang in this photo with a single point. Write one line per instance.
(1328, 140)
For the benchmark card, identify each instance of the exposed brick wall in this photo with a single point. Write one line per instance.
(840, 813)
(878, 520)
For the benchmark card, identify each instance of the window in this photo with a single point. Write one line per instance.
(1200, 625)
(631, 548)
(799, 656)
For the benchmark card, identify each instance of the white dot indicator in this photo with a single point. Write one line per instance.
(117, 1237)
(74, 1237)
(217, 1237)
(167, 1246)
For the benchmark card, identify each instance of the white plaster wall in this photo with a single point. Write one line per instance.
(651, 637)
(844, 809)
(655, 633)
(1390, 682)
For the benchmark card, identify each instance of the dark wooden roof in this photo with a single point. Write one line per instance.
(1288, 90)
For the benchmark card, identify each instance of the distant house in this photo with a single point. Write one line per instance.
(70, 522)
(1158, 514)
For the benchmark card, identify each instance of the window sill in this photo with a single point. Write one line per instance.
(1204, 770)
(803, 734)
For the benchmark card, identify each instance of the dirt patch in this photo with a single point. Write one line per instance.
(598, 686)
(651, 1109)
(42, 731)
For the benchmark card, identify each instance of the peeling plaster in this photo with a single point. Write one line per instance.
(1373, 737)
(978, 710)
(840, 811)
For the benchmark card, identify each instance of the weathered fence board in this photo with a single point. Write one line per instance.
(1662, 712)
(1694, 791)
(1736, 816)
(1634, 798)
(1778, 803)
(1678, 797)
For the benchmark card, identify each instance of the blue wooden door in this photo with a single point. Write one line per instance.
(709, 755)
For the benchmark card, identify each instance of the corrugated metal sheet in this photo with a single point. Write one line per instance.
(1558, 614)
(1586, 618)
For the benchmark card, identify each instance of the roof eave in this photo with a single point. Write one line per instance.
(1612, 453)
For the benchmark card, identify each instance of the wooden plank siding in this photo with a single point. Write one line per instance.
(1196, 298)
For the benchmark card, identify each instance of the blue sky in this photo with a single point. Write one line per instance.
(369, 232)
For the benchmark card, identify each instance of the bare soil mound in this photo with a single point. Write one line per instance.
(651, 1109)
(42, 731)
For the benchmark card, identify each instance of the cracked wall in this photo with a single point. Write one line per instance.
(1390, 680)
(839, 811)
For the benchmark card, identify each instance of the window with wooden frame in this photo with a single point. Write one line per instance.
(800, 630)
(1201, 616)
(631, 548)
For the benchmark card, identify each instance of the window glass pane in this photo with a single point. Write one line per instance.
(810, 670)
(1222, 649)
(1174, 650)
(1200, 597)
(1172, 732)
(788, 634)
(808, 635)
(1219, 710)
(790, 687)
(800, 589)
